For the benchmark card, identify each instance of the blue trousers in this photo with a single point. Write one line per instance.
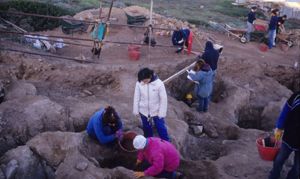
(272, 36)
(284, 154)
(159, 124)
(203, 104)
(250, 28)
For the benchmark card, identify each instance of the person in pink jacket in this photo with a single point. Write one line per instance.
(160, 158)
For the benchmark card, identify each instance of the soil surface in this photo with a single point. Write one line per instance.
(49, 101)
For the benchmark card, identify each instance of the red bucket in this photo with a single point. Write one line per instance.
(126, 144)
(267, 153)
(134, 52)
(263, 47)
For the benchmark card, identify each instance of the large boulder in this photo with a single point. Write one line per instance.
(233, 98)
(75, 165)
(20, 89)
(80, 113)
(177, 127)
(54, 146)
(22, 163)
(23, 118)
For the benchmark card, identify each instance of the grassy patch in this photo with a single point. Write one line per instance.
(36, 23)
(225, 7)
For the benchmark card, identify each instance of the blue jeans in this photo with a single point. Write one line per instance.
(284, 154)
(159, 124)
(272, 36)
(250, 28)
(203, 104)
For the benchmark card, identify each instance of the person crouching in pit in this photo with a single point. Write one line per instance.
(157, 158)
(105, 126)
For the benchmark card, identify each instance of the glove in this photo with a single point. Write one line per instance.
(277, 134)
(119, 134)
(139, 174)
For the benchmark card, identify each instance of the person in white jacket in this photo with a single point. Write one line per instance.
(150, 103)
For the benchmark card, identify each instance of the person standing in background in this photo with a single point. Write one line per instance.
(272, 28)
(250, 21)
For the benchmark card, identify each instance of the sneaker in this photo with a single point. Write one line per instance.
(179, 50)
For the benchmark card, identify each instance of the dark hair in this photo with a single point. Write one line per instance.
(254, 7)
(110, 116)
(199, 64)
(284, 16)
(274, 11)
(145, 73)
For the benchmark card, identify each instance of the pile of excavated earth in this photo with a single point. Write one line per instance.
(48, 102)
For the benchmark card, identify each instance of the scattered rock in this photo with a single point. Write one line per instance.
(88, 92)
(81, 166)
(197, 130)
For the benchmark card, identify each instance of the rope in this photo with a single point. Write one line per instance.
(46, 55)
(81, 39)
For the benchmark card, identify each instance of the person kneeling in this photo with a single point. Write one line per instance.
(159, 158)
(105, 126)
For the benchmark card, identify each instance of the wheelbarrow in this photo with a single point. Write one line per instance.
(69, 26)
(285, 39)
(259, 34)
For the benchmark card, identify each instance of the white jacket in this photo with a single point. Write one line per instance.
(150, 99)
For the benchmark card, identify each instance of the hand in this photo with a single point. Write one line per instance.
(119, 134)
(139, 174)
(277, 134)
(138, 162)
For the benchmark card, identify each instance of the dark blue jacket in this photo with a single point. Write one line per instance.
(273, 23)
(251, 17)
(210, 55)
(289, 120)
(103, 133)
(178, 35)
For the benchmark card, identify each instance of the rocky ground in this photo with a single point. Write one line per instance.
(48, 103)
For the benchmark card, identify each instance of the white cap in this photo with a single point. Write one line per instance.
(139, 142)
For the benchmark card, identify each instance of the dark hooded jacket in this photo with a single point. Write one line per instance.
(210, 55)
(180, 35)
(289, 120)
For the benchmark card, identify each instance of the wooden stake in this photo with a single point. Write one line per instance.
(150, 30)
